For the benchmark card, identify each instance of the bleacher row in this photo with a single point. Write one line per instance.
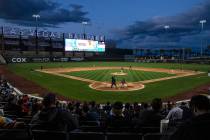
(88, 130)
(21, 134)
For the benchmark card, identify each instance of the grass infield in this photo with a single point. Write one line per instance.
(131, 75)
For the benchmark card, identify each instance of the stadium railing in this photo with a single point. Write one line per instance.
(2, 60)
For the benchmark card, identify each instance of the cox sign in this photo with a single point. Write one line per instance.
(19, 60)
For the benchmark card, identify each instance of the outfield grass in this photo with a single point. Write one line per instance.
(80, 90)
(131, 75)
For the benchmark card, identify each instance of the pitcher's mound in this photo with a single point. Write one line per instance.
(102, 86)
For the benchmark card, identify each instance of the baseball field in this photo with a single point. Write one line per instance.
(86, 81)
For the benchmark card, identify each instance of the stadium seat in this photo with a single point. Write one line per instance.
(119, 129)
(86, 136)
(152, 136)
(145, 130)
(25, 120)
(10, 116)
(124, 136)
(14, 134)
(49, 135)
(89, 123)
(3, 103)
(91, 128)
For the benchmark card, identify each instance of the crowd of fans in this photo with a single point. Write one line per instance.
(186, 121)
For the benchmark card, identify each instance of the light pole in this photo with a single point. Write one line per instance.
(2, 40)
(36, 19)
(84, 24)
(36, 31)
(166, 27)
(202, 22)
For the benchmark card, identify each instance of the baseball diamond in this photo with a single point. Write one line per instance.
(88, 81)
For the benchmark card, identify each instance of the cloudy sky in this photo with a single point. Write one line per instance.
(132, 23)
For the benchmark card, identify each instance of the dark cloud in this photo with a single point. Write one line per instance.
(183, 27)
(51, 12)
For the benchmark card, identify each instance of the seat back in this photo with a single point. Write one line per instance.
(89, 123)
(86, 136)
(91, 129)
(49, 135)
(14, 134)
(119, 129)
(124, 136)
(146, 130)
(152, 136)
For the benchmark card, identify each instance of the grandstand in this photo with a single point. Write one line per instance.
(84, 119)
(80, 117)
(77, 86)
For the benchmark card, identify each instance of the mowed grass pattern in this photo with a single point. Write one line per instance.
(132, 75)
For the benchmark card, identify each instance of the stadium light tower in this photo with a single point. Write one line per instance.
(202, 22)
(36, 18)
(84, 24)
(166, 27)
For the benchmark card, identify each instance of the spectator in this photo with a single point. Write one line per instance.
(144, 107)
(25, 105)
(107, 108)
(92, 114)
(151, 117)
(198, 127)
(8, 123)
(116, 118)
(128, 111)
(187, 113)
(51, 117)
(137, 109)
(85, 109)
(175, 114)
(36, 106)
(167, 107)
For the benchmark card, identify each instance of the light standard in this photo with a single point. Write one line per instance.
(36, 19)
(36, 31)
(202, 22)
(84, 24)
(2, 40)
(166, 27)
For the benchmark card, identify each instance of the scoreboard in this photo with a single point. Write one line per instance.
(84, 45)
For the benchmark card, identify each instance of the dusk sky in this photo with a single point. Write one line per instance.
(132, 23)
